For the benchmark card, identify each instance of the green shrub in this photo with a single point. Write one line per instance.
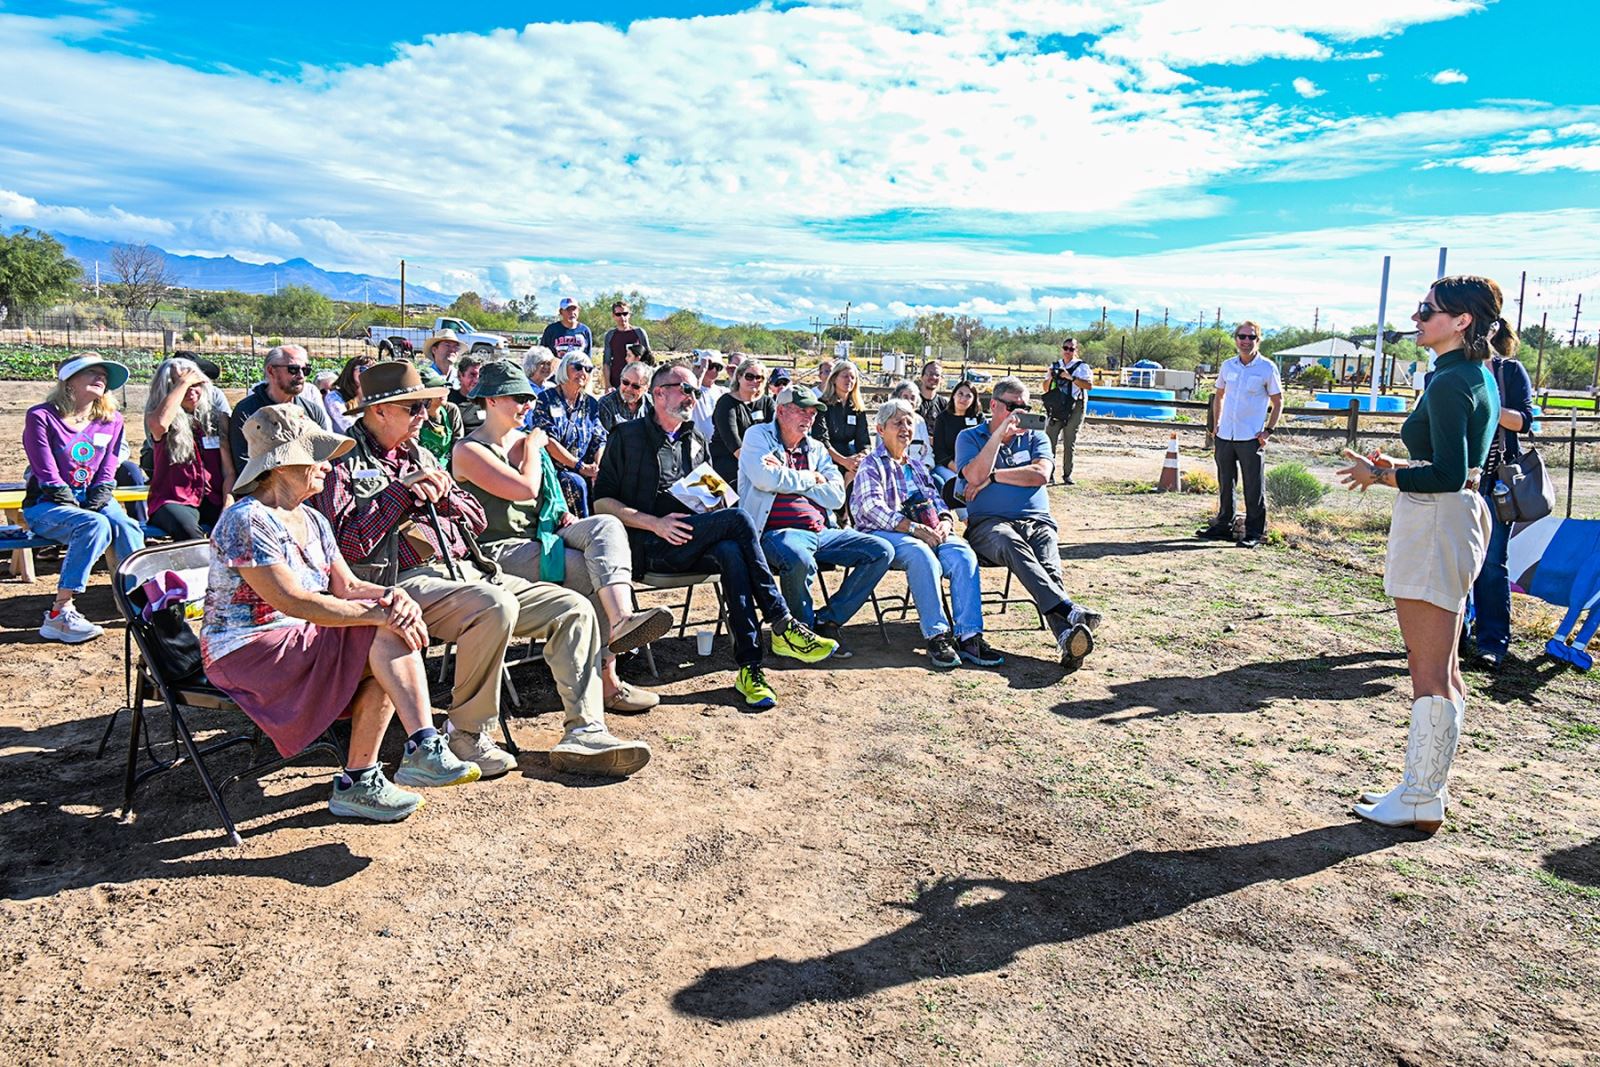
(1291, 486)
(1316, 376)
(1199, 482)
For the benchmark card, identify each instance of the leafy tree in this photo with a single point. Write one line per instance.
(467, 305)
(678, 332)
(35, 271)
(296, 306)
(525, 308)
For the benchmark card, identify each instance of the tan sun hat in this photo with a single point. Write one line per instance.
(283, 435)
(439, 338)
(391, 382)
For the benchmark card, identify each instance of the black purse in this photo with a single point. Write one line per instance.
(1529, 495)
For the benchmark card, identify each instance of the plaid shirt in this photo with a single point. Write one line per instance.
(611, 410)
(880, 489)
(361, 521)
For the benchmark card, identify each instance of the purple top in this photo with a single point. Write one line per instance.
(78, 459)
(882, 485)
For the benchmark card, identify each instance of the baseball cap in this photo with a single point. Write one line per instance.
(566, 302)
(800, 398)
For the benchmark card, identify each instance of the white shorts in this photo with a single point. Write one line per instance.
(1437, 542)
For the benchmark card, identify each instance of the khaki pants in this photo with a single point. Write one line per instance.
(482, 618)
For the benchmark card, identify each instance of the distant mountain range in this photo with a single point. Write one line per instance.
(225, 272)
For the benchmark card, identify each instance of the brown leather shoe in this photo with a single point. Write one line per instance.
(639, 629)
(631, 700)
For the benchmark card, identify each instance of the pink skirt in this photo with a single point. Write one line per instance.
(295, 681)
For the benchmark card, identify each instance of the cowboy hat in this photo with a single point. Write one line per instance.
(439, 338)
(283, 435)
(391, 382)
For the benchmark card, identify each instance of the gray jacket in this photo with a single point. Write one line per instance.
(759, 483)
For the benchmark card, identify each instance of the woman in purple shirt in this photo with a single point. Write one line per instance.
(72, 441)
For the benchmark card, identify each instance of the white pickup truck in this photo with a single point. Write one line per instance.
(390, 339)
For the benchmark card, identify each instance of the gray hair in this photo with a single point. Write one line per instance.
(179, 437)
(904, 385)
(643, 371)
(890, 408)
(537, 355)
(1008, 386)
(576, 355)
(285, 350)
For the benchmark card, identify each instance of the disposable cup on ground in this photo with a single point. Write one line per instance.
(703, 640)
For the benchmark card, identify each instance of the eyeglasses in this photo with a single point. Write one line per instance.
(298, 370)
(683, 387)
(756, 377)
(1426, 311)
(624, 313)
(417, 407)
(1069, 348)
(581, 368)
(1246, 336)
(1013, 405)
(630, 386)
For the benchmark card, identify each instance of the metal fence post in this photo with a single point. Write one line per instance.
(1353, 423)
(1572, 458)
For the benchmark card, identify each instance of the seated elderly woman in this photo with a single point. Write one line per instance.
(72, 441)
(574, 435)
(192, 471)
(921, 441)
(297, 641)
(531, 533)
(540, 366)
(895, 498)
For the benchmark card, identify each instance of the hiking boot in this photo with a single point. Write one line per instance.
(1075, 642)
(975, 649)
(593, 750)
(1079, 616)
(829, 631)
(372, 796)
(942, 651)
(640, 629)
(67, 625)
(752, 685)
(798, 641)
(432, 763)
(492, 760)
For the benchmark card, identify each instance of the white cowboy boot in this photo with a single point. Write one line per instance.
(1372, 796)
(1431, 748)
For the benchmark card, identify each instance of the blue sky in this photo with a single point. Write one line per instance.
(1008, 158)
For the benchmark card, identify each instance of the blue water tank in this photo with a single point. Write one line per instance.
(1341, 402)
(1098, 403)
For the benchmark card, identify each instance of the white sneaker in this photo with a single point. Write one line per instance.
(593, 750)
(492, 760)
(68, 626)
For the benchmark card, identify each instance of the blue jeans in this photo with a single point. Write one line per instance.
(923, 568)
(794, 555)
(725, 542)
(1491, 592)
(87, 535)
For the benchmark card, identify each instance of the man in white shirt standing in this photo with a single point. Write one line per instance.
(708, 365)
(1066, 397)
(1247, 402)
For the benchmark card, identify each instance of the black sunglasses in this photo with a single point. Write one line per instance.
(1246, 336)
(1013, 405)
(298, 370)
(629, 385)
(756, 377)
(1426, 311)
(685, 389)
(417, 407)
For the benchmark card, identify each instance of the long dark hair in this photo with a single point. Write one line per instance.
(976, 407)
(1469, 294)
(345, 384)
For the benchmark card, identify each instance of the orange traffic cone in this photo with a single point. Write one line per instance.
(1169, 482)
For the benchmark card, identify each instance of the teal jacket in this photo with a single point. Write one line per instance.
(1451, 427)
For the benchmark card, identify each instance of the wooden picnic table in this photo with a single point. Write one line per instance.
(11, 504)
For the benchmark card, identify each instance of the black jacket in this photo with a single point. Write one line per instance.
(630, 474)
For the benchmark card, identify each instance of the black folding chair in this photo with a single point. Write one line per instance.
(687, 583)
(148, 679)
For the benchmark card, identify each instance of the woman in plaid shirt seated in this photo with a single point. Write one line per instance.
(895, 498)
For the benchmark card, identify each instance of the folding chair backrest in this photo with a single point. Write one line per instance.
(190, 559)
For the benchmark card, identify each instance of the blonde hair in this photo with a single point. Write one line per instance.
(829, 393)
(1253, 324)
(100, 411)
(179, 438)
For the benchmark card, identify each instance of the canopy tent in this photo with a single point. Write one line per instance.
(1346, 359)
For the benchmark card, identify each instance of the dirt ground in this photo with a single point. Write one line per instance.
(1151, 861)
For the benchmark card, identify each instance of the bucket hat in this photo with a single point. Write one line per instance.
(502, 379)
(283, 435)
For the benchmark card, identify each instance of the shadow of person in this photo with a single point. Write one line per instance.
(1248, 687)
(1580, 863)
(1090, 550)
(1521, 679)
(59, 830)
(951, 936)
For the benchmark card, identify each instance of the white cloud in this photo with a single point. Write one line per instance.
(1448, 77)
(1308, 88)
(1373, 77)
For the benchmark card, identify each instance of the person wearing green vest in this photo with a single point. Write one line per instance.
(1439, 534)
(531, 533)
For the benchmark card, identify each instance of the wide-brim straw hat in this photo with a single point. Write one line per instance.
(283, 435)
(439, 338)
(392, 382)
(116, 373)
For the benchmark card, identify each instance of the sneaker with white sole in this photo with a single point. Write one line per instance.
(479, 748)
(430, 765)
(372, 796)
(593, 750)
(68, 625)
(1075, 642)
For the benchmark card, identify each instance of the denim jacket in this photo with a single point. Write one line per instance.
(759, 483)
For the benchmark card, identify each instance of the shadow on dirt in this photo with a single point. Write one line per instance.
(1249, 687)
(1092, 550)
(1580, 863)
(951, 937)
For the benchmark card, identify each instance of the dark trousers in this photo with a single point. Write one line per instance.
(1491, 592)
(1249, 459)
(725, 542)
(184, 523)
(130, 473)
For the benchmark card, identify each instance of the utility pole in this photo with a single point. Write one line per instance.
(847, 315)
(97, 279)
(1217, 325)
(1049, 319)
(1377, 355)
(1577, 308)
(1136, 322)
(1102, 318)
(1164, 312)
(1443, 254)
(1316, 317)
(402, 294)
(1522, 291)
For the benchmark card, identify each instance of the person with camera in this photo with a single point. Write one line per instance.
(1248, 401)
(1491, 591)
(1003, 467)
(1065, 403)
(897, 501)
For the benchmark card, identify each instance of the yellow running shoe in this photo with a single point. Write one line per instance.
(798, 641)
(752, 685)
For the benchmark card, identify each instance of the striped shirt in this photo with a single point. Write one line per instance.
(792, 511)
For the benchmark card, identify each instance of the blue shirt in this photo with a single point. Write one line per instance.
(560, 340)
(999, 500)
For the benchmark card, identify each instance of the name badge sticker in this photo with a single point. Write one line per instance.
(370, 472)
(101, 440)
(850, 420)
(211, 442)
